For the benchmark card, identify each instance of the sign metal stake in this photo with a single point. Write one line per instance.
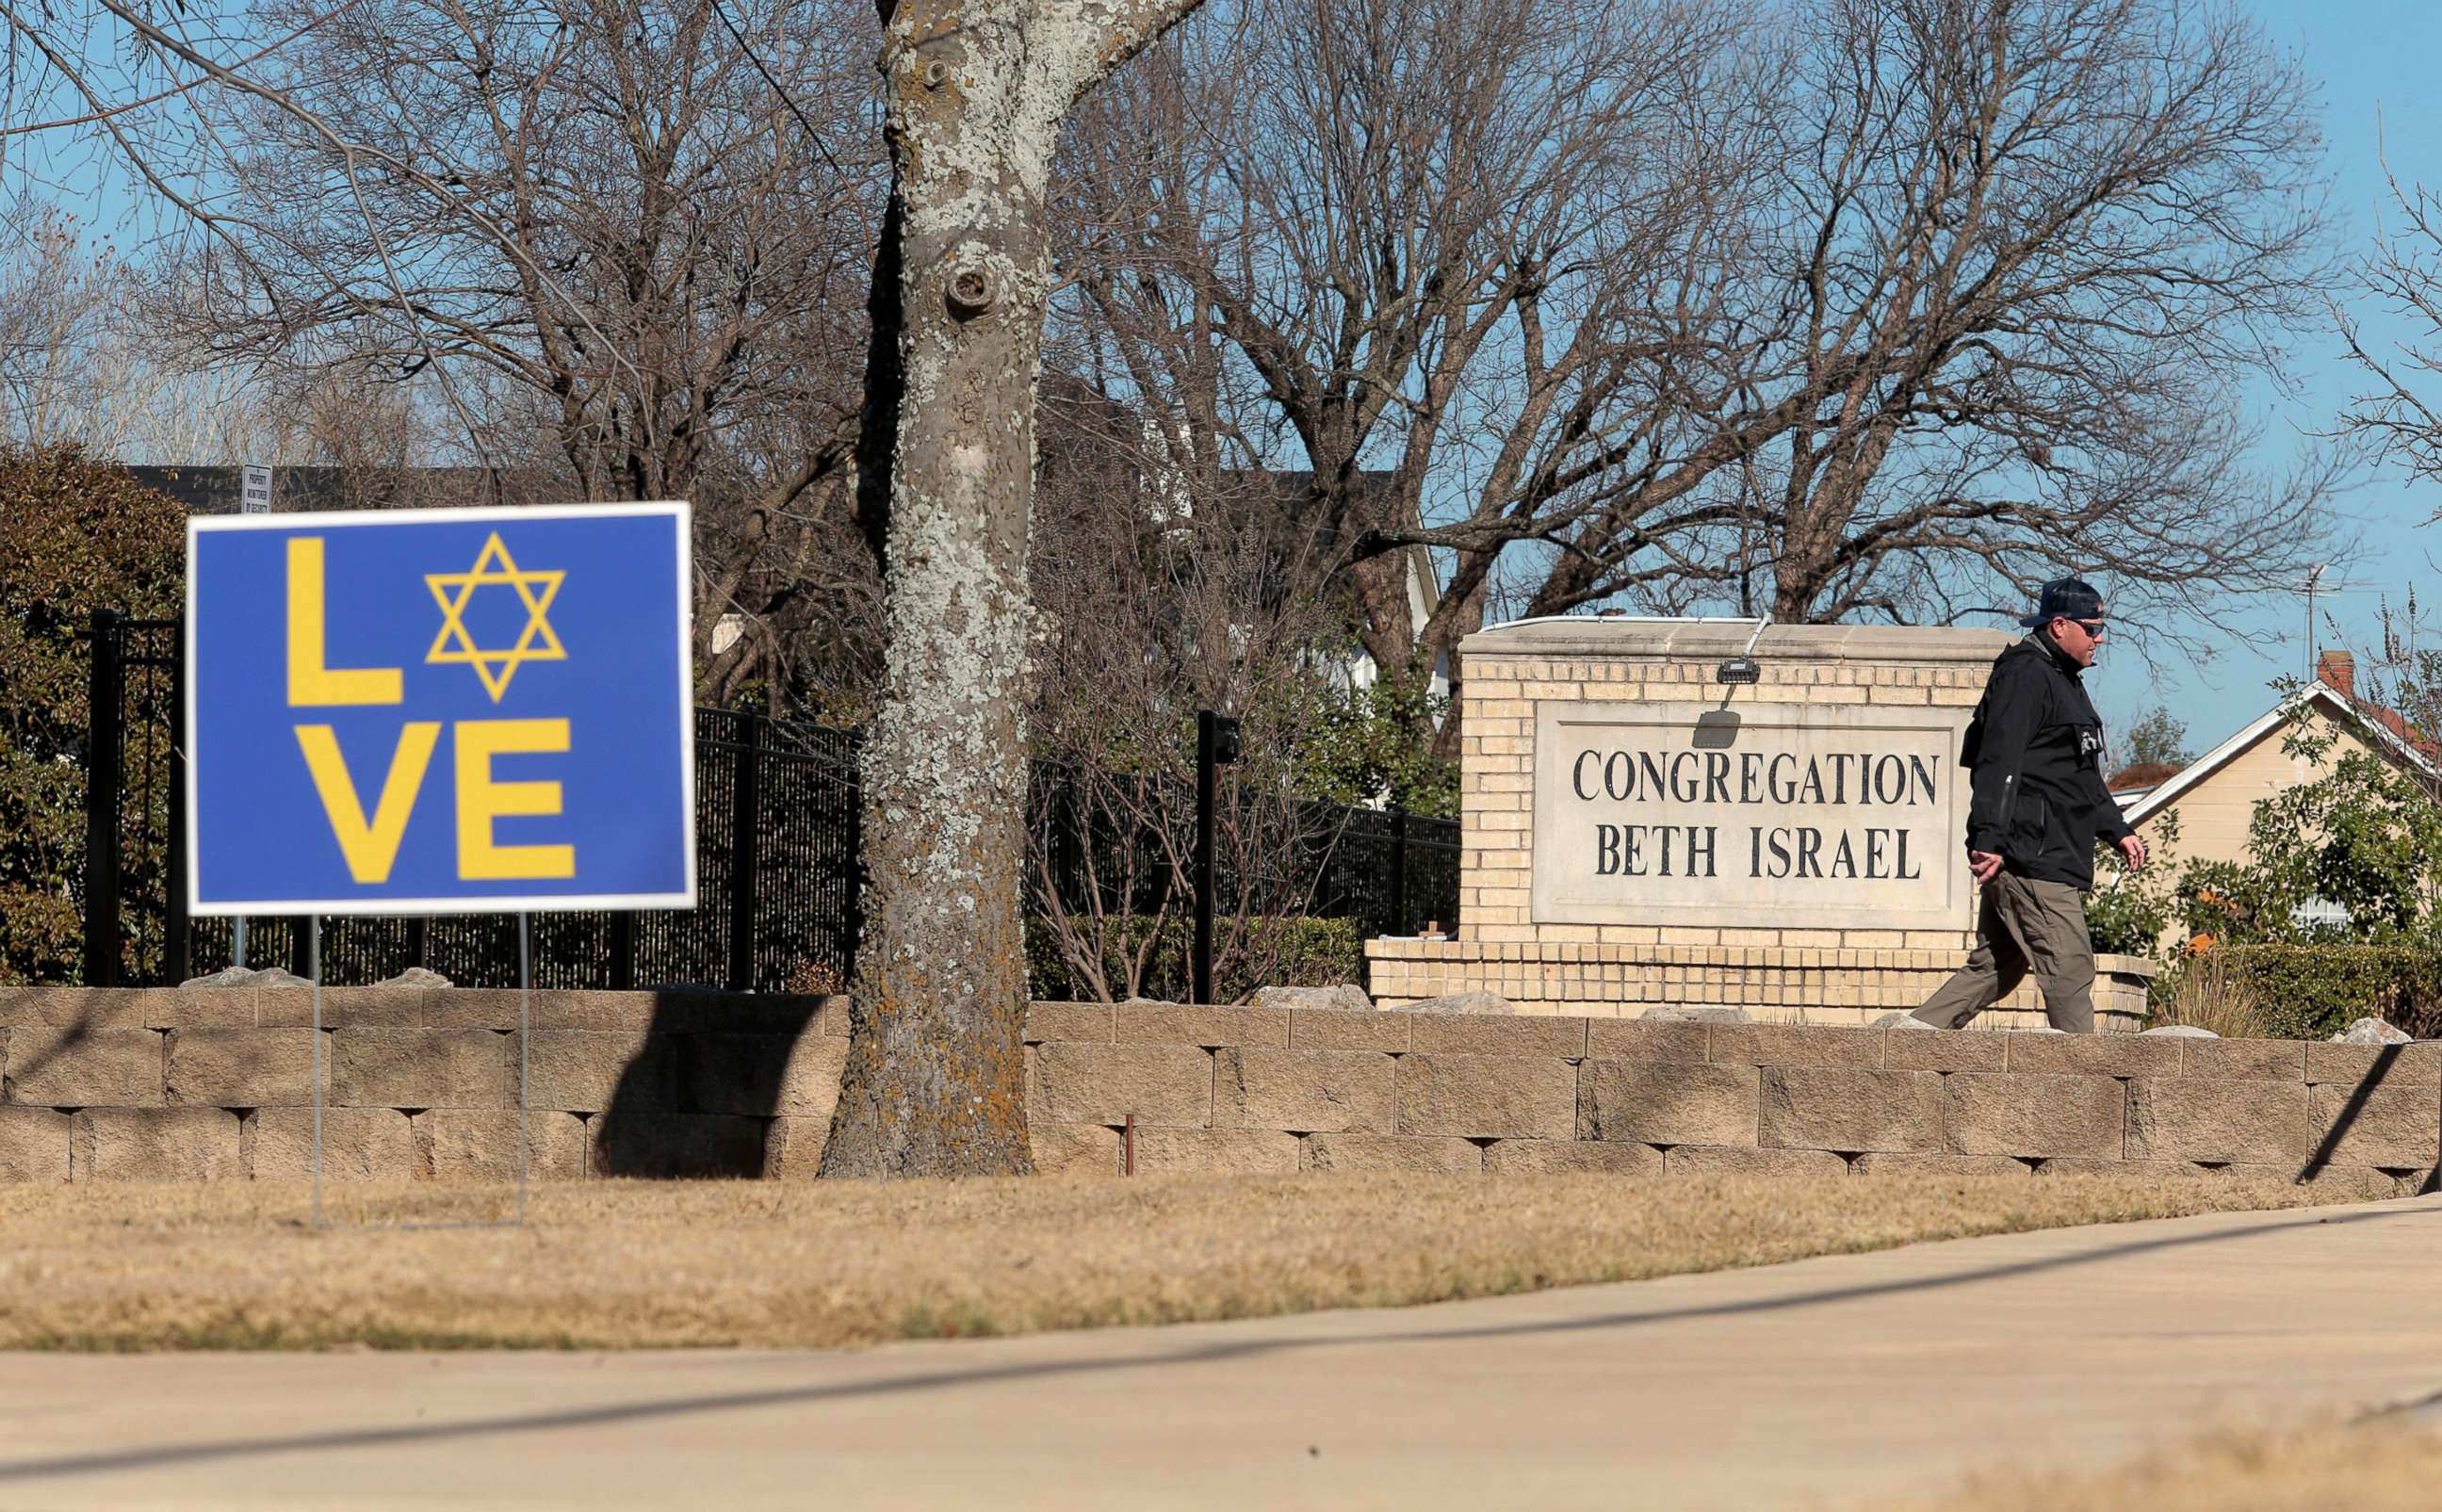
(607, 587)
(314, 928)
(525, 1038)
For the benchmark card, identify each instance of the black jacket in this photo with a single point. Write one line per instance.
(2034, 756)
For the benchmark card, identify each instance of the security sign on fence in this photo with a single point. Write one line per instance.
(439, 711)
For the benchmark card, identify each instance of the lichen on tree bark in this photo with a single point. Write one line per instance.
(976, 91)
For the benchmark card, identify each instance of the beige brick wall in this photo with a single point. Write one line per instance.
(689, 1084)
(1502, 688)
(1818, 984)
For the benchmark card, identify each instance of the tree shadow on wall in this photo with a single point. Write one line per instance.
(709, 1092)
(2426, 1169)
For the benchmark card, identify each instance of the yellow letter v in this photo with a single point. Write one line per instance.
(369, 849)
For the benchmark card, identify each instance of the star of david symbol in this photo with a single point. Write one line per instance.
(452, 592)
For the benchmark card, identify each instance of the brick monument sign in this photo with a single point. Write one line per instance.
(1639, 833)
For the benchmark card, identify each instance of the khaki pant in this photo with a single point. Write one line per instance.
(2024, 925)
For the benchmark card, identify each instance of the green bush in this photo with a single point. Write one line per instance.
(1310, 953)
(2128, 913)
(2313, 992)
(1378, 739)
(2127, 919)
(76, 535)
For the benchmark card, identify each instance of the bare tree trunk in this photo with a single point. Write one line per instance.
(935, 1081)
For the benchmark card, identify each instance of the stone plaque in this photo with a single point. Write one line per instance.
(1767, 817)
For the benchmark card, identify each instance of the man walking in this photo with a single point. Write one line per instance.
(2034, 756)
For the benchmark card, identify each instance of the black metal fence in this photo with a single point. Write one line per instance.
(1396, 870)
(134, 801)
(777, 854)
(775, 858)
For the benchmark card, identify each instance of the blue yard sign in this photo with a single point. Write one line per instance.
(439, 711)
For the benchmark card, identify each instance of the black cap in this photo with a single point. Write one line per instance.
(2071, 597)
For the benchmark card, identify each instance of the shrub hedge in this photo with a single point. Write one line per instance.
(2312, 991)
(76, 535)
(1302, 953)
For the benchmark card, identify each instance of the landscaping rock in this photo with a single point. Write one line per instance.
(1478, 1002)
(240, 976)
(1899, 1018)
(417, 976)
(1700, 1015)
(1347, 995)
(2181, 1031)
(2372, 1032)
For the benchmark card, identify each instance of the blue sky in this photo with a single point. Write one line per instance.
(2375, 61)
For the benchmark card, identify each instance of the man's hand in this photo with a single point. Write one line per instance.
(1984, 865)
(2132, 851)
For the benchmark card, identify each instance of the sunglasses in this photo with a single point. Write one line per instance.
(2093, 629)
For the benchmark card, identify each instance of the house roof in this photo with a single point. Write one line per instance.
(2400, 731)
(2394, 736)
(2139, 776)
(213, 490)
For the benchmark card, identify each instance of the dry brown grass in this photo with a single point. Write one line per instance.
(2393, 1469)
(620, 1264)
(2207, 995)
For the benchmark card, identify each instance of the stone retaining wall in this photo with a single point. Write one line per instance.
(166, 1085)
(212, 1084)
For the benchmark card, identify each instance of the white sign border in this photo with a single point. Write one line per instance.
(679, 511)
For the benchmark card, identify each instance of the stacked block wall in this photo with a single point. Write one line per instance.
(214, 1085)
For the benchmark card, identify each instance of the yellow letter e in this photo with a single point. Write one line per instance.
(483, 799)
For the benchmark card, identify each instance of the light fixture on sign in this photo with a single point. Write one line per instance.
(1743, 669)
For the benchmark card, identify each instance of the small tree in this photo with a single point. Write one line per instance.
(1365, 748)
(2403, 675)
(2160, 737)
(2363, 840)
(1160, 593)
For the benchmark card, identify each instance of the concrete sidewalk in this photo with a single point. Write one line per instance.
(1839, 1381)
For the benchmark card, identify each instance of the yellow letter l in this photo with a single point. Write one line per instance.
(311, 682)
